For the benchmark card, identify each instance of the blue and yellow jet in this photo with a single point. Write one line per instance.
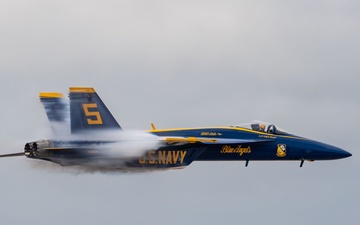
(258, 141)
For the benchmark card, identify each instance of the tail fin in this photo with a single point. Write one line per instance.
(57, 111)
(88, 112)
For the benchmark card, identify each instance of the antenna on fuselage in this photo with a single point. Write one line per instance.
(302, 163)
(153, 126)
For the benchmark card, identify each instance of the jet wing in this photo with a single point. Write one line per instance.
(193, 140)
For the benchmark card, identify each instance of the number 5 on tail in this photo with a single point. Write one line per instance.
(95, 115)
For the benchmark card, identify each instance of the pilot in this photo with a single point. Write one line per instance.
(262, 127)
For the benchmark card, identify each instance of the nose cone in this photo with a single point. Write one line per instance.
(321, 151)
(337, 153)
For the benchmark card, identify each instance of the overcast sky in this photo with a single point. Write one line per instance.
(183, 64)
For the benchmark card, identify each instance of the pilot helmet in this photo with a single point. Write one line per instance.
(262, 126)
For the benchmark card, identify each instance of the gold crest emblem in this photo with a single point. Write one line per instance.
(281, 150)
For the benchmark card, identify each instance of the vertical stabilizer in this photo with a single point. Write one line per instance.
(57, 111)
(88, 112)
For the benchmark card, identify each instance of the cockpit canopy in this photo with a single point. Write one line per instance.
(264, 127)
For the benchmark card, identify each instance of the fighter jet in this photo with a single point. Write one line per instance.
(92, 139)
